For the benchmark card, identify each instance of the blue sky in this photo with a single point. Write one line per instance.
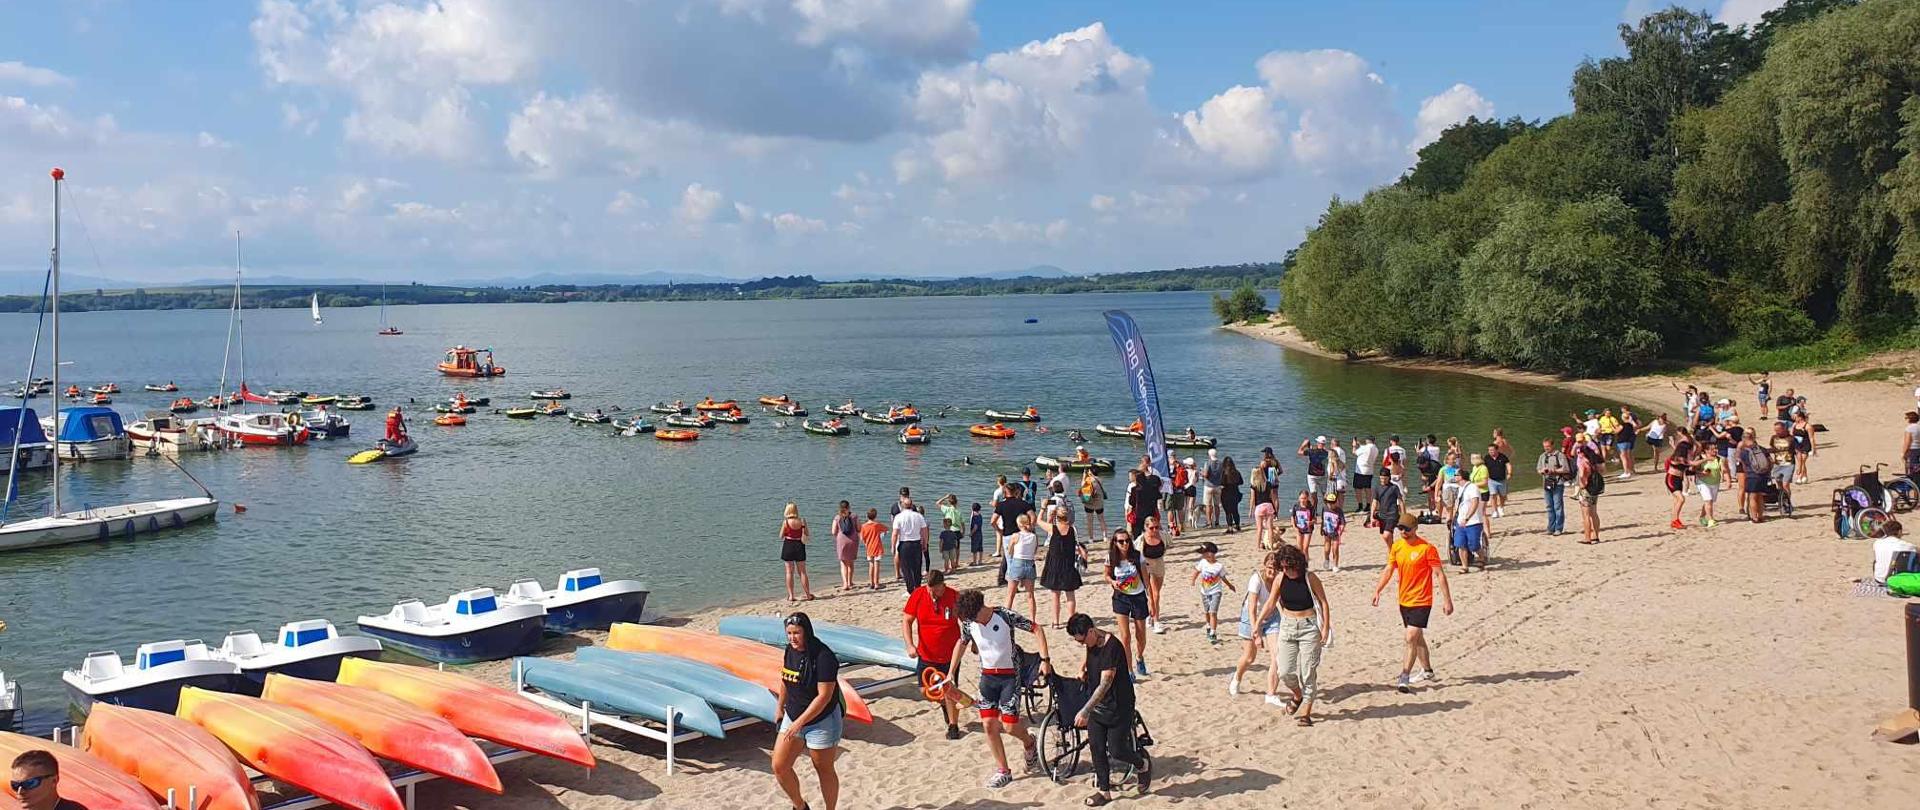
(466, 139)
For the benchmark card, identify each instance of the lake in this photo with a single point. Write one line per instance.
(500, 499)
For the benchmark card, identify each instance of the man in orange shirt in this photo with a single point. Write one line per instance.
(1419, 564)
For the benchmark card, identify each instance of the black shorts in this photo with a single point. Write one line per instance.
(1388, 520)
(1755, 484)
(1415, 616)
(1132, 606)
(1362, 483)
(1676, 484)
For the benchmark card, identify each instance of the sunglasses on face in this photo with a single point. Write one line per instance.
(24, 785)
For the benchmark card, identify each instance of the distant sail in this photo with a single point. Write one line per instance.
(316, 309)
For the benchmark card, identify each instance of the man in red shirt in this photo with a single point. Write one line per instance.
(932, 630)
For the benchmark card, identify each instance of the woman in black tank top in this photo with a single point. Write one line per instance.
(1306, 625)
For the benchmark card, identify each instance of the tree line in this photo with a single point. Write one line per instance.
(1217, 277)
(1712, 186)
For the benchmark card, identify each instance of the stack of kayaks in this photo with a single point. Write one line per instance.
(477, 709)
(853, 645)
(754, 662)
(292, 746)
(991, 431)
(718, 687)
(84, 778)
(1101, 465)
(824, 428)
(166, 753)
(611, 691)
(389, 727)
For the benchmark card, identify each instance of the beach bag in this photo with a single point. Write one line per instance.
(1907, 584)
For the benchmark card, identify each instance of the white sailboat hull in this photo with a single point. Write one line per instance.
(124, 520)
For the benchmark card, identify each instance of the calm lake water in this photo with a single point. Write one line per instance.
(501, 499)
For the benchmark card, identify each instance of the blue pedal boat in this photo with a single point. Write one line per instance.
(471, 626)
(583, 600)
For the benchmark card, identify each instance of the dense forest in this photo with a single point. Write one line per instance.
(1713, 188)
(1265, 276)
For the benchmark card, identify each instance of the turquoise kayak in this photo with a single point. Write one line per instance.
(854, 645)
(718, 687)
(611, 691)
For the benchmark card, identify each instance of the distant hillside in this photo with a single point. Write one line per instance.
(211, 296)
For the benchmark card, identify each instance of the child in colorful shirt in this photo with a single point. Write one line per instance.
(1211, 575)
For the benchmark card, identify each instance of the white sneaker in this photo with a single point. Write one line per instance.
(1402, 682)
(1274, 700)
(1159, 629)
(1233, 685)
(1420, 675)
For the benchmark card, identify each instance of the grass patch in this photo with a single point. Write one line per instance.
(1870, 375)
(1257, 320)
(1831, 351)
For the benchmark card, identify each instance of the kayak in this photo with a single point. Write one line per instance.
(292, 746)
(1012, 416)
(991, 431)
(848, 409)
(551, 393)
(166, 753)
(662, 407)
(884, 419)
(1181, 440)
(710, 405)
(718, 687)
(773, 401)
(755, 662)
(477, 709)
(853, 645)
(915, 438)
(450, 420)
(611, 691)
(729, 417)
(389, 727)
(521, 413)
(1121, 431)
(824, 429)
(790, 409)
(689, 421)
(589, 418)
(84, 778)
(676, 435)
(1099, 465)
(383, 452)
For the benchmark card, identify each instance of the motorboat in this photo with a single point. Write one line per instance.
(21, 429)
(684, 420)
(262, 429)
(184, 405)
(470, 626)
(162, 431)
(307, 649)
(385, 450)
(464, 362)
(582, 601)
(324, 424)
(913, 435)
(154, 679)
(161, 389)
(92, 434)
(354, 403)
(550, 393)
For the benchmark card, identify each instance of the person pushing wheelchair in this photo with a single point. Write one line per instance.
(1109, 710)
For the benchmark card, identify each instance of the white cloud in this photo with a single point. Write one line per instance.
(698, 205)
(208, 140)
(1347, 123)
(22, 73)
(1238, 131)
(1745, 12)
(24, 124)
(1102, 203)
(625, 202)
(591, 132)
(1449, 107)
(792, 224)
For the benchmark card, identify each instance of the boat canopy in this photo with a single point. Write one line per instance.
(29, 430)
(300, 634)
(474, 602)
(580, 580)
(90, 424)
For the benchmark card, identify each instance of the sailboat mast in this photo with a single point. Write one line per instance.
(220, 393)
(58, 175)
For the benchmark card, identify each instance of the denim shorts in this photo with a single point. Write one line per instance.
(1267, 628)
(821, 734)
(1496, 487)
(1019, 570)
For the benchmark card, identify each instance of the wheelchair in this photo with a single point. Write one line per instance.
(1062, 744)
(1863, 509)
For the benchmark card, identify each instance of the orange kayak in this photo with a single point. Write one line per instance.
(710, 405)
(482, 710)
(167, 753)
(751, 660)
(293, 747)
(676, 435)
(84, 778)
(389, 727)
(991, 431)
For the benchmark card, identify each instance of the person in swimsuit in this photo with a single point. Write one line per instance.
(793, 553)
(1678, 469)
(846, 543)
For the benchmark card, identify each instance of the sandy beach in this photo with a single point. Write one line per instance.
(1715, 667)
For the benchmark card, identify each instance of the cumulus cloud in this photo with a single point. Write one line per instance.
(1238, 131)
(1346, 121)
(1442, 110)
(1745, 12)
(590, 132)
(20, 73)
(699, 205)
(25, 124)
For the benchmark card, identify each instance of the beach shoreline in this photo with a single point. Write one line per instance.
(1695, 668)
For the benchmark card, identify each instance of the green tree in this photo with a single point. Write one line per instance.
(1245, 304)
(1442, 165)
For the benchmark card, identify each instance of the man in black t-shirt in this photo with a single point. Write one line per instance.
(1108, 714)
(1499, 466)
(1006, 515)
(1386, 506)
(1145, 499)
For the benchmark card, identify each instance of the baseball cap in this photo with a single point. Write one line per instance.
(1566, 431)
(1408, 521)
(1209, 548)
(1319, 440)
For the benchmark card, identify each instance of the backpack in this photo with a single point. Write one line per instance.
(1180, 477)
(1756, 461)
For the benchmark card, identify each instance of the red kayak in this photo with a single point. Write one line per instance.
(482, 710)
(167, 753)
(293, 747)
(389, 727)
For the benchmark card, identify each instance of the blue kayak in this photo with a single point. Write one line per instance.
(611, 691)
(718, 687)
(854, 645)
